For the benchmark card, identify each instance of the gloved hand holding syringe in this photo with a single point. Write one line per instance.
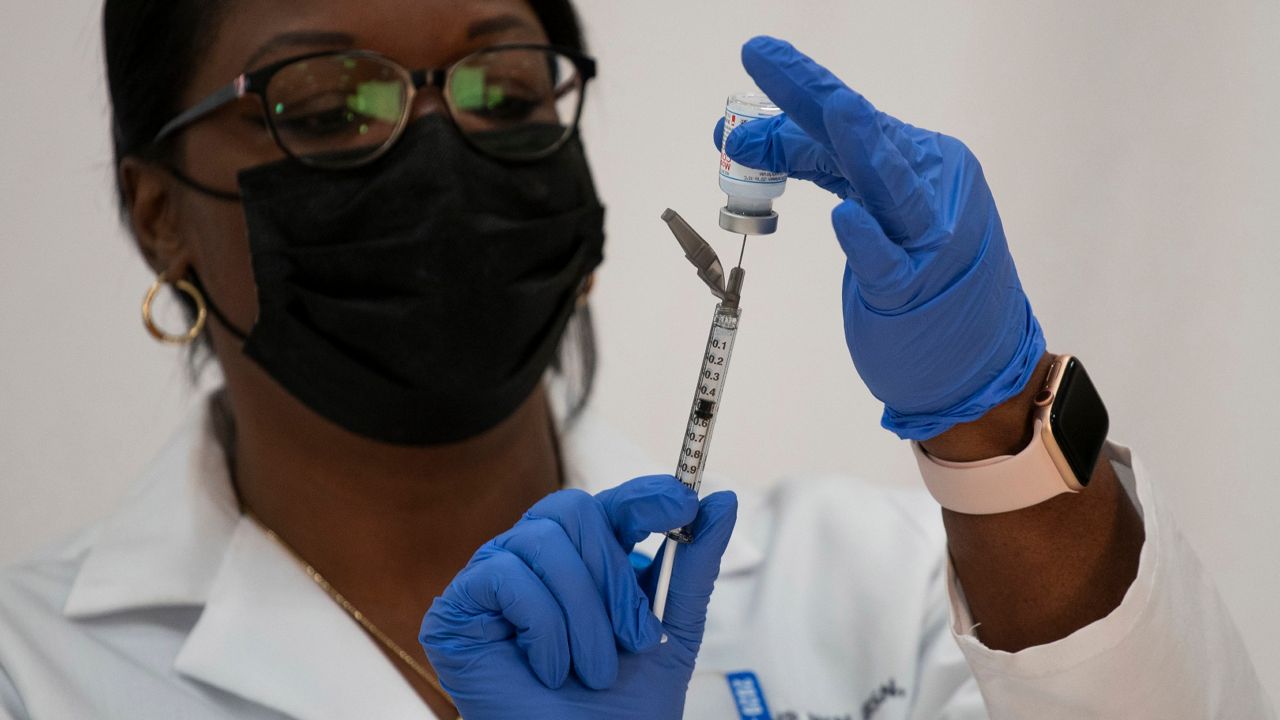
(748, 211)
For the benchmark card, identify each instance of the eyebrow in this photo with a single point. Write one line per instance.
(490, 26)
(303, 38)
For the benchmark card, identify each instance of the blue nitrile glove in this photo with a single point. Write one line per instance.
(935, 317)
(550, 621)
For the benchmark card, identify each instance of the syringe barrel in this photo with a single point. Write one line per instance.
(707, 397)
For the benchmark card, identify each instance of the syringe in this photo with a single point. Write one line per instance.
(711, 378)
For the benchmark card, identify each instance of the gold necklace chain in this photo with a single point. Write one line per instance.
(358, 616)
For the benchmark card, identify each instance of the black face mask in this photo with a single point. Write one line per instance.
(418, 300)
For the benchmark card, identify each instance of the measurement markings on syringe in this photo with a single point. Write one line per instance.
(710, 385)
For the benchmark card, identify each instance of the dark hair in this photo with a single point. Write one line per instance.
(151, 47)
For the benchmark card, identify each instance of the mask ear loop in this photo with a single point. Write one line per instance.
(194, 279)
(239, 334)
(201, 187)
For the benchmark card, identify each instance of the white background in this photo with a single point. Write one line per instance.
(1133, 149)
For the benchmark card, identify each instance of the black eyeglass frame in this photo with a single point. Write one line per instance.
(255, 82)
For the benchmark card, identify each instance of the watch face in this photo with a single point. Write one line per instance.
(1078, 420)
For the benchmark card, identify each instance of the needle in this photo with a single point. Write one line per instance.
(743, 251)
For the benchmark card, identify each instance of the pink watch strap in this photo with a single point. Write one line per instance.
(994, 485)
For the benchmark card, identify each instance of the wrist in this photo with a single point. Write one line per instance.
(1004, 430)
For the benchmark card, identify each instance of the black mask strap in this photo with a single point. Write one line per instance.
(215, 312)
(201, 187)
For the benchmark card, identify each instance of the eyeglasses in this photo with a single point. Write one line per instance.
(343, 109)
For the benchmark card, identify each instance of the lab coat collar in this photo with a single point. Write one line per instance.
(180, 540)
(264, 614)
(164, 545)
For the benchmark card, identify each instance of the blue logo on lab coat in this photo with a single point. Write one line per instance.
(748, 696)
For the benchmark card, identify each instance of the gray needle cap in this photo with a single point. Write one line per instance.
(698, 251)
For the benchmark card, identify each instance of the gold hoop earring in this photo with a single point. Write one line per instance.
(201, 312)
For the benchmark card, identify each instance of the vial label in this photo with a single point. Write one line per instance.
(742, 173)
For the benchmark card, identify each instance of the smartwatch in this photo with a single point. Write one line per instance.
(1069, 428)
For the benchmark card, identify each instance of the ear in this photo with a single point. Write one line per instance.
(150, 197)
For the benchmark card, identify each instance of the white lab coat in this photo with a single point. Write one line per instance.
(837, 594)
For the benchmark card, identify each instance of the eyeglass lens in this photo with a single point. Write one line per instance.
(514, 103)
(333, 108)
(341, 110)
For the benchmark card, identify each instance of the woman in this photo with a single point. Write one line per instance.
(382, 220)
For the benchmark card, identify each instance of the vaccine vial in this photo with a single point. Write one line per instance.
(749, 208)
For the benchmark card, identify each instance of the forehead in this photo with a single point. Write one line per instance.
(416, 33)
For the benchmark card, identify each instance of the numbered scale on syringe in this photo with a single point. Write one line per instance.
(706, 401)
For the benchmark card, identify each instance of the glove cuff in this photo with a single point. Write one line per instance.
(1007, 384)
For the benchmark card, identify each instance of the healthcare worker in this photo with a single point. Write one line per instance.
(398, 506)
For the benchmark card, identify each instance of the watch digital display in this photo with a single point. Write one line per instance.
(1079, 421)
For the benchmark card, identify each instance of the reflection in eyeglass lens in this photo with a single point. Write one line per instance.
(336, 104)
(506, 88)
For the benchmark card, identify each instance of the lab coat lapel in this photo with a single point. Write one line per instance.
(162, 547)
(269, 634)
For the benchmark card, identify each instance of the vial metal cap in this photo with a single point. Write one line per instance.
(748, 224)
